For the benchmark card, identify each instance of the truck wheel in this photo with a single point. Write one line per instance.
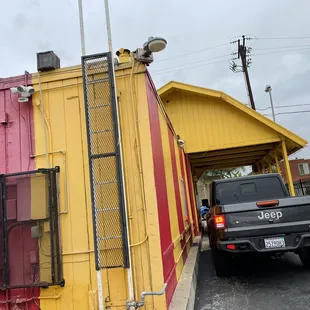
(221, 262)
(304, 256)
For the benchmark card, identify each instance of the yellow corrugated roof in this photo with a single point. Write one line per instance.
(177, 86)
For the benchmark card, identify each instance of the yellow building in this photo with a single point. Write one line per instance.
(161, 209)
(226, 133)
(132, 194)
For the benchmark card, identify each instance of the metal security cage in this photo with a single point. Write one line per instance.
(107, 188)
(29, 236)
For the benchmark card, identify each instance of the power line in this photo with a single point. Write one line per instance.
(191, 67)
(202, 62)
(194, 52)
(293, 112)
(279, 52)
(281, 47)
(281, 38)
(191, 63)
(285, 106)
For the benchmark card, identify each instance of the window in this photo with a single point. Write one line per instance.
(239, 191)
(248, 189)
(303, 169)
(184, 199)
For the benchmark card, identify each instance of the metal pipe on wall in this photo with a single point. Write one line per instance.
(82, 33)
(129, 270)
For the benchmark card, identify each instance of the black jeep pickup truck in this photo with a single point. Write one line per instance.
(256, 214)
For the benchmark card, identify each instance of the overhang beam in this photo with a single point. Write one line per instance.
(258, 154)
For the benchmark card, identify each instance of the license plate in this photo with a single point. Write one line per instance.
(274, 243)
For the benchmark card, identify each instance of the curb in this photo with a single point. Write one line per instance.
(185, 292)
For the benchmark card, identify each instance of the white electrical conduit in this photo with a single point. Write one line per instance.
(44, 122)
(129, 270)
(139, 159)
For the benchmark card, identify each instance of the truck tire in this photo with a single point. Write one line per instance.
(304, 256)
(221, 262)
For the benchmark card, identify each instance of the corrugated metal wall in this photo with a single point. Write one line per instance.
(16, 149)
(159, 196)
(174, 192)
(210, 119)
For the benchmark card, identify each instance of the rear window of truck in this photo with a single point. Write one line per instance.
(249, 190)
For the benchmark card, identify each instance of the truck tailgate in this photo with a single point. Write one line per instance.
(291, 215)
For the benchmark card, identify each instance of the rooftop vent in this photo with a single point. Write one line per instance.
(47, 61)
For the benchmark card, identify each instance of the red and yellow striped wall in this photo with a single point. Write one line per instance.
(161, 203)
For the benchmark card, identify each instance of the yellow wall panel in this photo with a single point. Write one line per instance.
(208, 123)
(65, 121)
(174, 224)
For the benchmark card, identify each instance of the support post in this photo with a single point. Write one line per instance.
(277, 161)
(269, 166)
(288, 169)
(260, 168)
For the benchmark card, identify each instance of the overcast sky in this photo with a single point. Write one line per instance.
(30, 26)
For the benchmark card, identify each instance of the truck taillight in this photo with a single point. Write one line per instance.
(219, 221)
(268, 203)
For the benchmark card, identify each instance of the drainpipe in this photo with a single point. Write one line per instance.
(138, 304)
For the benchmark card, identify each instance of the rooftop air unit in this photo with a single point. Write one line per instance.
(47, 61)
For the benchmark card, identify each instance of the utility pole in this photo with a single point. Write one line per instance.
(242, 54)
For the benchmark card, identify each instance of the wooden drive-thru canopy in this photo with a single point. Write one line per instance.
(220, 132)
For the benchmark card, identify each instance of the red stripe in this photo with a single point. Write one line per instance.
(161, 191)
(176, 182)
(181, 154)
(191, 193)
(177, 191)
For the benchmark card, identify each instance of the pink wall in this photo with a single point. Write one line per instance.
(16, 138)
(16, 148)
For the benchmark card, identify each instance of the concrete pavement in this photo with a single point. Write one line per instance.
(255, 284)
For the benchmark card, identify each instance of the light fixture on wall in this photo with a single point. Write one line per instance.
(24, 91)
(152, 45)
(181, 143)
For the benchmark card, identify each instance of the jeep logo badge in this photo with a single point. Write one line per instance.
(270, 215)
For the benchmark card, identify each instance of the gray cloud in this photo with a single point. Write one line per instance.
(29, 26)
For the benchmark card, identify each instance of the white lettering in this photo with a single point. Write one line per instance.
(261, 216)
(272, 215)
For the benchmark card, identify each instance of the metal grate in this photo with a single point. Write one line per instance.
(29, 238)
(110, 233)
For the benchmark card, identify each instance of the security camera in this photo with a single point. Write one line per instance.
(181, 143)
(14, 90)
(26, 91)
